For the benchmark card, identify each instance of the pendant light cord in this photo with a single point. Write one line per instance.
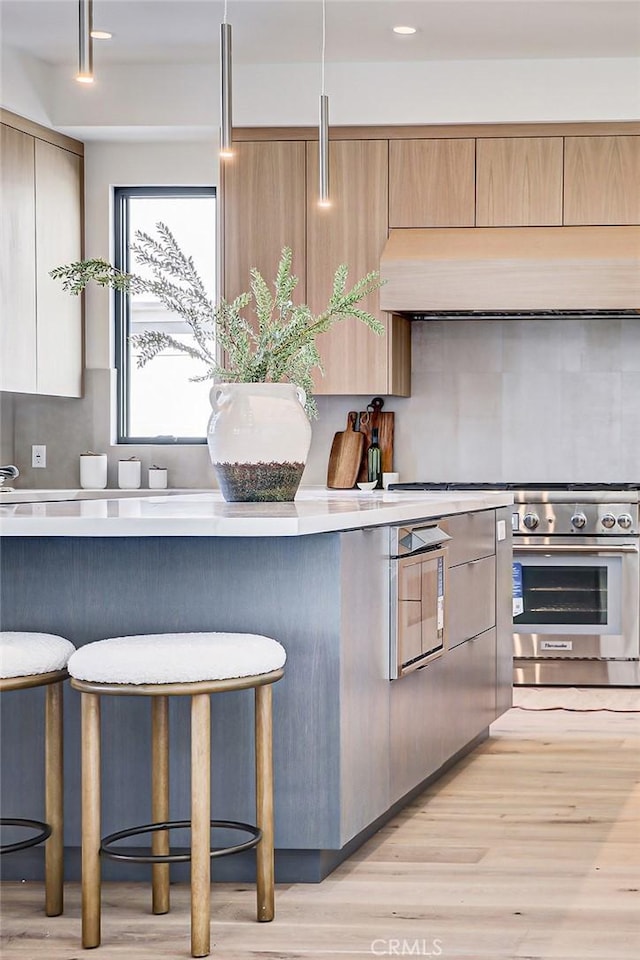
(324, 42)
(323, 129)
(224, 16)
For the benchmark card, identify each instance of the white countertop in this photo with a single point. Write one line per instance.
(315, 510)
(26, 495)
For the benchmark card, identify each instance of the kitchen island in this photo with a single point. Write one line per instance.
(350, 745)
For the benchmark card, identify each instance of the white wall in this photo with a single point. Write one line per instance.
(136, 101)
(26, 86)
(479, 91)
(389, 93)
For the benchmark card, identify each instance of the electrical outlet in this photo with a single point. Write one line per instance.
(38, 455)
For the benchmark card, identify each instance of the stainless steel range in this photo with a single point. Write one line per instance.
(576, 573)
(576, 582)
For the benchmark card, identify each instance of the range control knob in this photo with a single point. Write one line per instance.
(530, 521)
(608, 521)
(625, 520)
(579, 520)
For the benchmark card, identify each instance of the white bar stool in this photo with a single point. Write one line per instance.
(160, 666)
(39, 660)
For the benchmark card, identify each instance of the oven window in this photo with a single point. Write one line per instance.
(564, 594)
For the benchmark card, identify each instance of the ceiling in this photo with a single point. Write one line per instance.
(186, 31)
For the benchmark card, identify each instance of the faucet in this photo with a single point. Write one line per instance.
(8, 472)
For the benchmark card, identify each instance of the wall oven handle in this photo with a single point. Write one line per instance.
(570, 548)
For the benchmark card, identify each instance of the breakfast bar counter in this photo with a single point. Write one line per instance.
(315, 510)
(350, 745)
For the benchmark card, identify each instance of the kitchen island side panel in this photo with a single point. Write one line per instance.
(87, 589)
(364, 680)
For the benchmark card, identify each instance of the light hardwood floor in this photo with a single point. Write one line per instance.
(529, 848)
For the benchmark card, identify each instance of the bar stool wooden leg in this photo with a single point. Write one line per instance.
(264, 802)
(200, 824)
(53, 851)
(160, 800)
(90, 820)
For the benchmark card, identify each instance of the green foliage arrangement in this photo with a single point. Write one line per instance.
(278, 344)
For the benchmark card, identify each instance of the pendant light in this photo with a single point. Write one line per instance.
(323, 131)
(85, 41)
(226, 148)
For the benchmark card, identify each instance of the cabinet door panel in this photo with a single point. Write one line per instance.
(473, 587)
(17, 259)
(602, 180)
(353, 230)
(58, 240)
(470, 680)
(431, 183)
(473, 536)
(519, 181)
(419, 708)
(264, 211)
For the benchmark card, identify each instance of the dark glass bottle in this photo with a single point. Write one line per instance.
(374, 460)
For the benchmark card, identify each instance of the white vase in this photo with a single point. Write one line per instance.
(259, 437)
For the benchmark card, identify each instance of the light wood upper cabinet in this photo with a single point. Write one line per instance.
(353, 230)
(410, 179)
(58, 240)
(431, 183)
(42, 196)
(264, 210)
(519, 182)
(17, 259)
(602, 180)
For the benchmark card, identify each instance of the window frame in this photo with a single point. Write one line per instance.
(122, 305)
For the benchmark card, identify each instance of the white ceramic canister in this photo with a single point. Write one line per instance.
(259, 437)
(158, 478)
(129, 474)
(93, 471)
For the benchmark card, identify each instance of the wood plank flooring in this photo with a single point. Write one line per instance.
(528, 850)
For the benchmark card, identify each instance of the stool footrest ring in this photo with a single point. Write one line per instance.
(43, 834)
(106, 849)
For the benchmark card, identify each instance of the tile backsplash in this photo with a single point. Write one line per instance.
(551, 399)
(7, 402)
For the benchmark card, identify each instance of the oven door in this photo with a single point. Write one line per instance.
(418, 595)
(576, 601)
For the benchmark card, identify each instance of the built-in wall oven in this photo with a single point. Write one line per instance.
(576, 588)
(418, 594)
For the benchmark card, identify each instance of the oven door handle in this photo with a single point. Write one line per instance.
(578, 548)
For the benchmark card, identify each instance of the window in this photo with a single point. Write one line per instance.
(158, 403)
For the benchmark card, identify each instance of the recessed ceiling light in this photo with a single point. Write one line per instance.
(404, 30)
(101, 35)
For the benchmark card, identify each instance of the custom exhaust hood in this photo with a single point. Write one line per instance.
(449, 271)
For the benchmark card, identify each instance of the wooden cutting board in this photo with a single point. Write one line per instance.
(385, 424)
(345, 457)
